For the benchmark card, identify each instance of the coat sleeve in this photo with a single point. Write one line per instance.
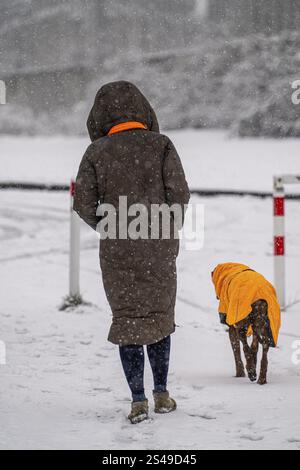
(86, 197)
(176, 187)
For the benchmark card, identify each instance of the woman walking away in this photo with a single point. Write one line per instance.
(129, 158)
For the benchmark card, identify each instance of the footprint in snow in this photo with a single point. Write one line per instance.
(105, 416)
(198, 387)
(107, 419)
(181, 398)
(22, 331)
(123, 439)
(5, 315)
(105, 390)
(23, 387)
(293, 440)
(102, 356)
(206, 416)
(274, 429)
(248, 437)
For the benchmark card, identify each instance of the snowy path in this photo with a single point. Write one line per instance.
(63, 386)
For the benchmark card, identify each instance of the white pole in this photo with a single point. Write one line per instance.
(279, 240)
(2, 92)
(74, 276)
(289, 179)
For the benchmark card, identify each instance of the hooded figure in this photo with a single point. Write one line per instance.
(238, 287)
(129, 157)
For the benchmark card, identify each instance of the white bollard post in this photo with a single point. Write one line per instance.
(2, 353)
(279, 240)
(2, 92)
(74, 288)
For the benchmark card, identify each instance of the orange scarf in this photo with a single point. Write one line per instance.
(125, 126)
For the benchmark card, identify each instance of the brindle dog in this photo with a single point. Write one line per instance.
(259, 321)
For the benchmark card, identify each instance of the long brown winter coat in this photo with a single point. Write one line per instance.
(139, 276)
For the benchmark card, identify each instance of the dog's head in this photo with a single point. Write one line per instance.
(222, 275)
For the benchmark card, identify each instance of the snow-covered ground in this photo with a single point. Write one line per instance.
(63, 386)
(211, 159)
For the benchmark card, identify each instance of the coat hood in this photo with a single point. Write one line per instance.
(119, 102)
(223, 274)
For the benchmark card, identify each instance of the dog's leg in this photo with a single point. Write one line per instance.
(255, 347)
(236, 347)
(264, 365)
(261, 330)
(251, 369)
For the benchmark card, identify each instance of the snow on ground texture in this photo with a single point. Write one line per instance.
(63, 386)
(211, 160)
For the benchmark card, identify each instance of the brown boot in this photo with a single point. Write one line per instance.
(139, 412)
(164, 403)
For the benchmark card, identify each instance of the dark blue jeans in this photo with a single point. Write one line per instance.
(133, 361)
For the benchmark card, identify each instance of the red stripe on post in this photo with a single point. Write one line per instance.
(72, 188)
(279, 206)
(279, 246)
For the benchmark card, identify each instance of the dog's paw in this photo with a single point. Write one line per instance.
(241, 374)
(262, 381)
(252, 375)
